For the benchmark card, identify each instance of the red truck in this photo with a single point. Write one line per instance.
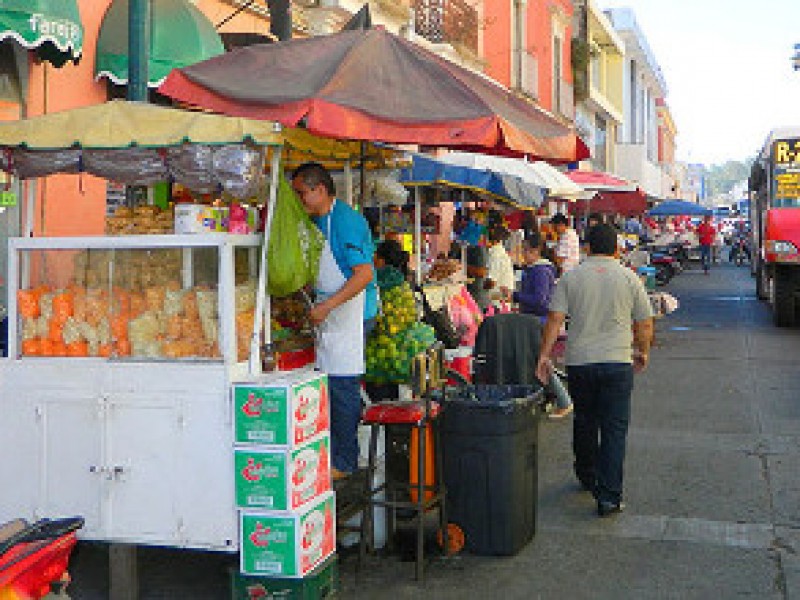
(774, 186)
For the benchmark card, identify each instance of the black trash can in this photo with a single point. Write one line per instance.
(490, 441)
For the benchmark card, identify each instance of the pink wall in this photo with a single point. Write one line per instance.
(70, 204)
(497, 37)
(498, 40)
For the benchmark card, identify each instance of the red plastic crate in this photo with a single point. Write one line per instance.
(296, 359)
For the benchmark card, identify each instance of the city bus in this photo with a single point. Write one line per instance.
(774, 187)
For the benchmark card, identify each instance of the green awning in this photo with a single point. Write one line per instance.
(181, 35)
(52, 28)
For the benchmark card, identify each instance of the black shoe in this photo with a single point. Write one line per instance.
(587, 485)
(606, 509)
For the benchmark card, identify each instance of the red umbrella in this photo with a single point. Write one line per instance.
(610, 203)
(373, 85)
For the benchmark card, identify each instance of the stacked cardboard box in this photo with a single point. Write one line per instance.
(283, 474)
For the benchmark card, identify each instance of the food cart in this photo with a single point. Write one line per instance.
(123, 349)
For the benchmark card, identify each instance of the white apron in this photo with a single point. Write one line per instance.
(340, 337)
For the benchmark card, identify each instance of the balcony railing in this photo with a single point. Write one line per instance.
(447, 21)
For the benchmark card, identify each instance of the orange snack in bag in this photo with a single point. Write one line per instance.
(32, 347)
(174, 327)
(63, 306)
(119, 326)
(78, 349)
(104, 350)
(59, 348)
(122, 347)
(122, 301)
(46, 347)
(138, 305)
(190, 304)
(28, 303)
(154, 298)
(56, 330)
(79, 304)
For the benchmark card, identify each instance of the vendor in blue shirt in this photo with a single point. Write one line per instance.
(346, 297)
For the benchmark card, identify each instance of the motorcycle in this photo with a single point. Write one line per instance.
(740, 250)
(34, 556)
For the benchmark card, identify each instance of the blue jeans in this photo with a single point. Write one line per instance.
(602, 396)
(345, 416)
(705, 257)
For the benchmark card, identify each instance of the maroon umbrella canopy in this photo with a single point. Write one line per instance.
(613, 202)
(373, 85)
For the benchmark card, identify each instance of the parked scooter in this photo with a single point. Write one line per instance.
(34, 557)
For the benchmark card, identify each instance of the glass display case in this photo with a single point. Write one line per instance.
(142, 298)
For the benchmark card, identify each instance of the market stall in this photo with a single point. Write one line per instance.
(124, 348)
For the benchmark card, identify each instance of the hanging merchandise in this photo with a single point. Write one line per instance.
(295, 245)
(238, 169)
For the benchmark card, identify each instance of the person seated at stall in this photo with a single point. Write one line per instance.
(390, 253)
(479, 286)
(538, 279)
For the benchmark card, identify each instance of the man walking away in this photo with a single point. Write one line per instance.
(706, 233)
(610, 332)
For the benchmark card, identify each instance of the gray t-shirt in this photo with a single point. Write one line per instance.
(602, 299)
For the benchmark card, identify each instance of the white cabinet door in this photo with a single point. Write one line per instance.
(50, 421)
(206, 492)
(141, 435)
(71, 480)
(169, 440)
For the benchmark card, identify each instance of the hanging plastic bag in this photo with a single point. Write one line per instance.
(295, 245)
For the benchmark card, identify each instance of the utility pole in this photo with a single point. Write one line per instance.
(138, 48)
(280, 19)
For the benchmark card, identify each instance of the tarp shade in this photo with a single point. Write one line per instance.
(508, 189)
(180, 35)
(610, 203)
(140, 143)
(598, 180)
(122, 124)
(678, 207)
(373, 85)
(537, 174)
(52, 28)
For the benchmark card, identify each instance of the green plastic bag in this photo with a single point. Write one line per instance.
(295, 245)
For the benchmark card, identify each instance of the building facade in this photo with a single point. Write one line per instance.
(643, 84)
(597, 63)
(526, 47)
(667, 132)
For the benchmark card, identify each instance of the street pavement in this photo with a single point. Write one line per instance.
(712, 484)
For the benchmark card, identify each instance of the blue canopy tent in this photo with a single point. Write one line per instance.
(678, 207)
(508, 189)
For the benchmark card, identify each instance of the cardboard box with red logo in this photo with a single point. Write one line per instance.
(285, 410)
(287, 544)
(282, 479)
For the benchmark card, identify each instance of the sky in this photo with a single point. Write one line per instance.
(728, 70)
